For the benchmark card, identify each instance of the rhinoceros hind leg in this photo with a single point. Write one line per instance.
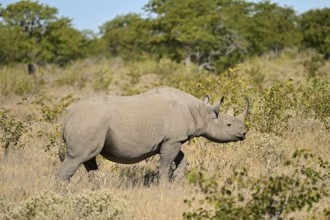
(68, 168)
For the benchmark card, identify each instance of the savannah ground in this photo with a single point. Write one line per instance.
(289, 111)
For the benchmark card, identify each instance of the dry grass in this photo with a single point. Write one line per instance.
(26, 173)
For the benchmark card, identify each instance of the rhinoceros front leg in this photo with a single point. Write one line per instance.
(168, 153)
(92, 168)
(94, 173)
(181, 165)
(91, 165)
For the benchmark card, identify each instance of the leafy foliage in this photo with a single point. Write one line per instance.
(31, 19)
(36, 35)
(313, 65)
(208, 34)
(199, 32)
(127, 36)
(315, 28)
(277, 101)
(213, 34)
(272, 28)
(86, 205)
(51, 111)
(315, 96)
(11, 43)
(283, 100)
(64, 43)
(270, 197)
(12, 131)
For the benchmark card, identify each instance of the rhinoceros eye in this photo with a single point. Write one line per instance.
(229, 125)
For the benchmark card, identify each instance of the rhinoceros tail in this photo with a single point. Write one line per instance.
(62, 151)
(61, 154)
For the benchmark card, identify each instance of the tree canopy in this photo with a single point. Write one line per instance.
(272, 28)
(213, 34)
(315, 29)
(32, 33)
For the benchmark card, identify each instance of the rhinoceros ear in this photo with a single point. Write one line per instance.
(216, 107)
(230, 111)
(206, 99)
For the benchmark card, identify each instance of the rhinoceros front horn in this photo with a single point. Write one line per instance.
(243, 115)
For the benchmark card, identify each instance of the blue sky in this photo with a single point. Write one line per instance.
(88, 14)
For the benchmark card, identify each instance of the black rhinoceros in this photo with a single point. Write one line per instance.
(129, 129)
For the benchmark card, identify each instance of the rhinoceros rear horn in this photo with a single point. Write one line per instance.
(216, 107)
(243, 115)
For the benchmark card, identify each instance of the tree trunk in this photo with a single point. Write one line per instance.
(276, 49)
(31, 69)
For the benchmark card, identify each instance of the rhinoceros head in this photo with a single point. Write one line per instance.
(223, 128)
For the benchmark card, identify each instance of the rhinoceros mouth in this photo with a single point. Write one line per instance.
(241, 137)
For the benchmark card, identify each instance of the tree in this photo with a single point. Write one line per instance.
(127, 35)
(315, 28)
(10, 44)
(200, 31)
(63, 43)
(272, 28)
(30, 18)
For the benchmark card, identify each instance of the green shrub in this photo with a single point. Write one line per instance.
(265, 197)
(50, 110)
(313, 65)
(283, 100)
(274, 107)
(12, 131)
(49, 205)
(230, 84)
(315, 99)
(51, 113)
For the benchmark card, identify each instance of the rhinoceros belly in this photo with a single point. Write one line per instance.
(122, 148)
(128, 154)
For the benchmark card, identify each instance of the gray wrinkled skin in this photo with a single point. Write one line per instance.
(129, 129)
